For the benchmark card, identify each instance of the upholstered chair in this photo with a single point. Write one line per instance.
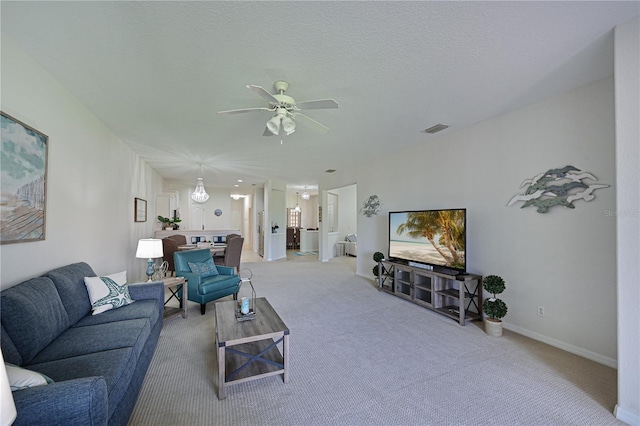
(206, 281)
(218, 257)
(180, 239)
(232, 254)
(169, 246)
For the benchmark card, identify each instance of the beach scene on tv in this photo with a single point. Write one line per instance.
(436, 237)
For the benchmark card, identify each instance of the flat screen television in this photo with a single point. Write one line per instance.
(435, 238)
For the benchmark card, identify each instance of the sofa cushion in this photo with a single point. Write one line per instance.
(218, 282)
(204, 269)
(147, 308)
(69, 280)
(33, 315)
(9, 350)
(108, 292)
(77, 341)
(116, 366)
(21, 378)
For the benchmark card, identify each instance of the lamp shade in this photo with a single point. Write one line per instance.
(273, 125)
(149, 248)
(288, 125)
(8, 411)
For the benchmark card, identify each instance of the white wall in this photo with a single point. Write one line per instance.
(192, 214)
(347, 211)
(309, 212)
(92, 179)
(627, 72)
(563, 260)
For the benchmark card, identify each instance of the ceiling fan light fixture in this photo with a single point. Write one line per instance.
(286, 109)
(273, 125)
(288, 125)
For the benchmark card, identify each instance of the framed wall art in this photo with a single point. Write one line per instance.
(140, 210)
(24, 181)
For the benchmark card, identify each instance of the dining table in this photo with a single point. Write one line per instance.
(215, 248)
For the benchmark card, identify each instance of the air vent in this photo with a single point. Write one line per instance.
(330, 170)
(435, 129)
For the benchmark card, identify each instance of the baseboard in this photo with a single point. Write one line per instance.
(609, 362)
(626, 416)
(368, 276)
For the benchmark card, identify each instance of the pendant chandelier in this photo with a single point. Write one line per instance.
(200, 194)
(305, 194)
(297, 208)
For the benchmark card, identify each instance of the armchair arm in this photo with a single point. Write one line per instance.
(194, 283)
(194, 279)
(74, 402)
(226, 270)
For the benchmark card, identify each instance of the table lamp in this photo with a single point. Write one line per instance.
(149, 249)
(8, 407)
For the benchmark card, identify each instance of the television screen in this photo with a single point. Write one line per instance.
(430, 237)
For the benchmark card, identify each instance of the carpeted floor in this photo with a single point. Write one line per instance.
(360, 357)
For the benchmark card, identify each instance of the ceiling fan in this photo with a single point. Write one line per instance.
(286, 110)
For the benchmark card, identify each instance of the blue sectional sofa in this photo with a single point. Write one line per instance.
(97, 362)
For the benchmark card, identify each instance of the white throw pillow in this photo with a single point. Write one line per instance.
(20, 378)
(108, 292)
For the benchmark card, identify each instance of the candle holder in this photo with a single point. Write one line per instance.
(246, 306)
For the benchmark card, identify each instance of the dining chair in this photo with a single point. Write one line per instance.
(232, 253)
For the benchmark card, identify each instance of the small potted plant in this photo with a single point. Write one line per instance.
(169, 223)
(377, 257)
(495, 308)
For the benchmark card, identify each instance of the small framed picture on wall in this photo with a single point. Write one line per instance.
(139, 210)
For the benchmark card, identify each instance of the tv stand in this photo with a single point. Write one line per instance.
(421, 266)
(455, 295)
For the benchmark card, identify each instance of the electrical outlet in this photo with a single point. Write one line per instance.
(540, 311)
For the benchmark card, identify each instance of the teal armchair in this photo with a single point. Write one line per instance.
(205, 285)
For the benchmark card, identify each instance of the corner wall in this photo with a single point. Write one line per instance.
(563, 260)
(627, 72)
(92, 179)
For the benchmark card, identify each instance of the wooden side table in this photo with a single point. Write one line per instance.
(180, 283)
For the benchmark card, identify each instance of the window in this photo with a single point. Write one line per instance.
(293, 218)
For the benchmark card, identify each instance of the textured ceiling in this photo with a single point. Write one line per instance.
(157, 72)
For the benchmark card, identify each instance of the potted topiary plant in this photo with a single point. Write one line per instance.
(169, 223)
(377, 257)
(495, 308)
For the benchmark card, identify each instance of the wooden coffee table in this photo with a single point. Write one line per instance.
(247, 350)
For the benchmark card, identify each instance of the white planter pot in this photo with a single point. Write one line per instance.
(493, 327)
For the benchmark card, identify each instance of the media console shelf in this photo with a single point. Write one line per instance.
(455, 296)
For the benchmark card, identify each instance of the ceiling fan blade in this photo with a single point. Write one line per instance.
(321, 128)
(241, 111)
(267, 132)
(262, 92)
(319, 104)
